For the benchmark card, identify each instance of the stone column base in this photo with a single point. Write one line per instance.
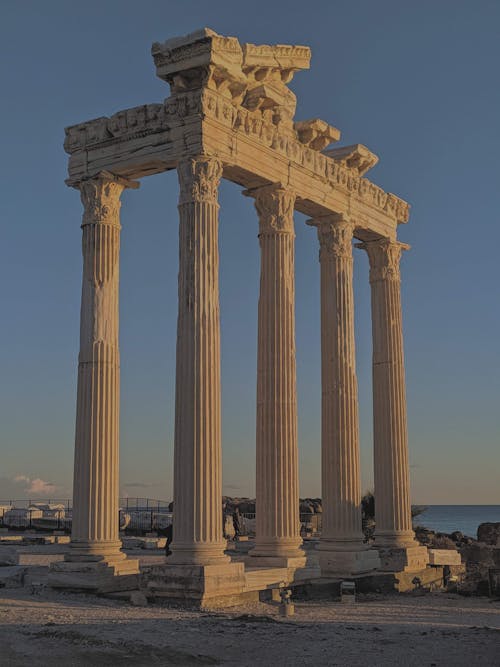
(341, 563)
(277, 552)
(403, 559)
(95, 576)
(209, 586)
(255, 560)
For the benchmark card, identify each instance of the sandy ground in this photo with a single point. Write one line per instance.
(55, 629)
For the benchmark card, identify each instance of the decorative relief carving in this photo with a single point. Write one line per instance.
(132, 123)
(101, 201)
(199, 179)
(384, 256)
(244, 88)
(202, 56)
(316, 133)
(100, 130)
(356, 157)
(337, 174)
(335, 233)
(148, 119)
(254, 76)
(275, 206)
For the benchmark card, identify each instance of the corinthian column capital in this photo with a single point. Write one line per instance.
(335, 233)
(199, 179)
(275, 206)
(384, 256)
(101, 198)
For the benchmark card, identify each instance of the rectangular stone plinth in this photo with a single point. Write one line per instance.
(444, 557)
(403, 559)
(210, 586)
(347, 563)
(276, 561)
(97, 577)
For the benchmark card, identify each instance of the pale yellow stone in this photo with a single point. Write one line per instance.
(278, 540)
(392, 470)
(341, 548)
(444, 557)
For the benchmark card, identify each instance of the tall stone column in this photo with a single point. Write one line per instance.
(277, 490)
(198, 538)
(94, 534)
(341, 547)
(394, 535)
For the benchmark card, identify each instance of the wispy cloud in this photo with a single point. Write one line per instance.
(39, 486)
(35, 486)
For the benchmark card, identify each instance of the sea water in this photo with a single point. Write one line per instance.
(465, 518)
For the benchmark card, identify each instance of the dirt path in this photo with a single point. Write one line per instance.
(59, 629)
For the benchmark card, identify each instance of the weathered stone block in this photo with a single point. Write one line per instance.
(40, 559)
(444, 557)
(12, 577)
(208, 585)
(404, 559)
(346, 563)
(99, 577)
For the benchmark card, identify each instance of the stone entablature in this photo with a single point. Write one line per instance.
(232, 101)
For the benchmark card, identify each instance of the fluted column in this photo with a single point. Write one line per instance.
(96, 476)
(391, 466)
(341, 546)
(198, 538)
(277, 489)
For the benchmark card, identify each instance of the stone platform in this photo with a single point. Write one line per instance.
(430, 578)
(95, 576)
(216, 586)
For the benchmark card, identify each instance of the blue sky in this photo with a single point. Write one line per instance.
(417, 82)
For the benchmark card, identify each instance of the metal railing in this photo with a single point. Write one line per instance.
(138, 516)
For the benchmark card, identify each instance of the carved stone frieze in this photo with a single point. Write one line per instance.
(384, 256)
(132, 123)
(199, 179)
(254, 76)
(275, 206)
(338, 174)
(202, 57)
(242, 87)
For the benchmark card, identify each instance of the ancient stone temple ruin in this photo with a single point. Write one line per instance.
(230, 115)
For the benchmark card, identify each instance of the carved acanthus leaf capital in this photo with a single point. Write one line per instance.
(101, 200)
(335, 233)
(384, 256)
(275, 205)
(199, 179)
